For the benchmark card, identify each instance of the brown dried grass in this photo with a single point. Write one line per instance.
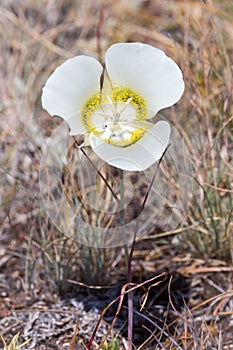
(35, 260)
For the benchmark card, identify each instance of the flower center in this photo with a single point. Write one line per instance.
(116, 118)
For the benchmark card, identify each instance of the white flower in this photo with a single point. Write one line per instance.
(139, 80)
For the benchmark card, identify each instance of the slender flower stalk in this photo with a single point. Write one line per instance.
(128, 261)
(122, 215)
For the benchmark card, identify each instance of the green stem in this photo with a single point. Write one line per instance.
(122, 216)
(127, 258)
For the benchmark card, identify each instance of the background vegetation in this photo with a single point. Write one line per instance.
(43, 273)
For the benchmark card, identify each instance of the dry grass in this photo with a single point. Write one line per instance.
(37, 262)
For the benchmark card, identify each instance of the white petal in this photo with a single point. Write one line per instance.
(70, 85)
(139, 156)
(76, 125)
(147, 70)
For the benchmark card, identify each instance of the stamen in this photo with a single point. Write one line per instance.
(112, 106)
(104, 114)
(126, 105)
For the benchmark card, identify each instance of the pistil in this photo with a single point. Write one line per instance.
(117, 118)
